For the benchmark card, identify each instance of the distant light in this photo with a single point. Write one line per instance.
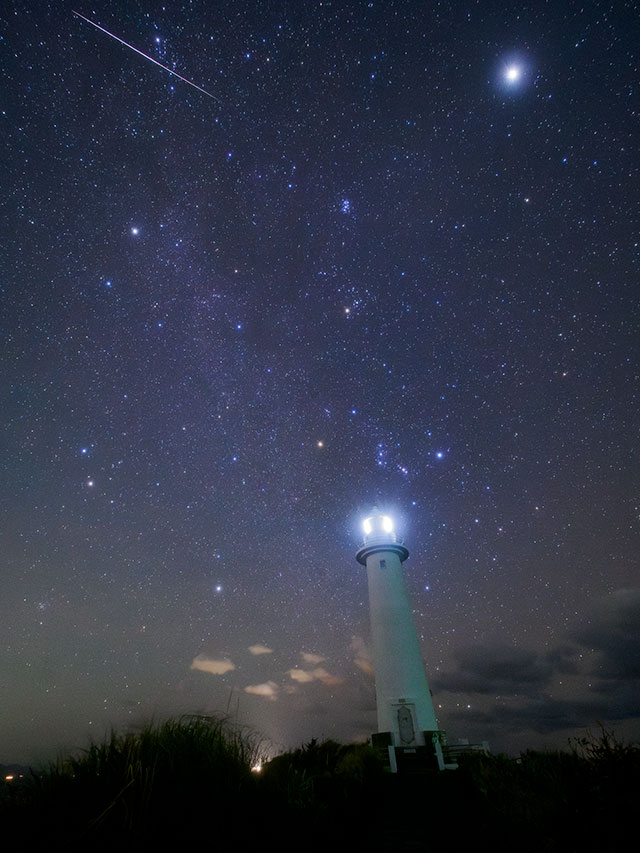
(320, 444)
(135, 231)
(512, 73)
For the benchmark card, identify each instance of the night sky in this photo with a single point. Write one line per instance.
(391, 257)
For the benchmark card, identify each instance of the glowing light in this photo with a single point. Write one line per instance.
(383, 523)
(512, 73)
(135, 231)
(320, 444)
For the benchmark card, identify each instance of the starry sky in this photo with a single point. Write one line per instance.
(390, 254)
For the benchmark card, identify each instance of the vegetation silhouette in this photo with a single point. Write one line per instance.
(190, 781)
(166, 781)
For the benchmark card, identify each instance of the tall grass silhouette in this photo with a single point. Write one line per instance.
(190, 781)
(175, 778)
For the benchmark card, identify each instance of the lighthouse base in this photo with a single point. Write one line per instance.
(409, 759)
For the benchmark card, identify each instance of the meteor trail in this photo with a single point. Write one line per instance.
(150, 58)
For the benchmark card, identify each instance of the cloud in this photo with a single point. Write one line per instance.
(591, 674)
(309, 657)
(300, 675)
(269, 690)
(258, 649)
(563, 659)
(497, 668)
(319, 674)
(325, 677)
(542, 715)
(362, 654)
(613, 631)
(610, 630)
(215, 667)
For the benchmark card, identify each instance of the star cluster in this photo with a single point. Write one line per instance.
(395, 260)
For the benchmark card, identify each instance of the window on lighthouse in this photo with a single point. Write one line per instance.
(383, 564)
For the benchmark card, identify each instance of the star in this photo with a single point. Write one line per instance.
(449, 253)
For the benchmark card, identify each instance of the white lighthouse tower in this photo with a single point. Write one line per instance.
(407, 725)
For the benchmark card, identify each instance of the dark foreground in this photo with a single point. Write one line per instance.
(190, 782)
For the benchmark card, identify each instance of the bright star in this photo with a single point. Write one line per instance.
(135, 231)
(514, 73)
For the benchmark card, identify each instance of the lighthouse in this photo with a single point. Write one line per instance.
(408, 733)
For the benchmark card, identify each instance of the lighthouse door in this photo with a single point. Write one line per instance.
(406, 727)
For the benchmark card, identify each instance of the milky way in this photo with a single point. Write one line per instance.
(377, 270)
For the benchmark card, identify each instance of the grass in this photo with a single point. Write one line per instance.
(190, 781)
(164, 781)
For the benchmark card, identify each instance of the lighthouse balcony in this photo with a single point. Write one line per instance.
(383, 539)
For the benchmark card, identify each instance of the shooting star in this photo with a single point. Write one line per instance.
(146, 56)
